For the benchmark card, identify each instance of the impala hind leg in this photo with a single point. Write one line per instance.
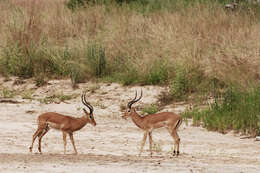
(37, 133)
(45, 130)
(73, 143)
(176, 143)
(151, 143)
(143, 142)
(64, 141)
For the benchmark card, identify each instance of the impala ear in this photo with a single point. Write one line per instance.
(85, 111)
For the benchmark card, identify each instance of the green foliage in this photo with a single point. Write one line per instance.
(72, 4)
(75, 4)
(186, 81)
(43, 62)
(6, 93)
(58, 97)
(123, 70)
(76, 72)
(27, 94)
(126, 71)
(147, 6)
(238, 110)
(150, 109)
(28, 62)
(131, 76)
(96, 58)
(157, 74)
(179, 86)
(92, 63)
(142, 6)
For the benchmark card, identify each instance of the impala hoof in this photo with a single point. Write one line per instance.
(173, 153)
(40, 151)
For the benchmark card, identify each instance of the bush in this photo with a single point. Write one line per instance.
(157, 74)
(150, 109)
(238, 110)
(27, 62)
(186, 81)
(179, 86)
(44, 62)
(72, 4)
(96, 58)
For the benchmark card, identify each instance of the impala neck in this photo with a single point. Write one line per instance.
(82, 121)
(137, 119)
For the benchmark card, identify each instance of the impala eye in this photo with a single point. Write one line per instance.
(128, 110)
(90, 117)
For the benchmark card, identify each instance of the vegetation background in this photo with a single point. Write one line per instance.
(195, 47)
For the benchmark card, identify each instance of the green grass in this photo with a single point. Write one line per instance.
(58, 97)
(237, 110)
(27, 94)
(7, 93)
(150, 109)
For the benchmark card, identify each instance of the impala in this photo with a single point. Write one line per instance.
(154, 121)
(66, 124)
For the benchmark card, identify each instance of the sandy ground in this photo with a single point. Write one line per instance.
(112, 145)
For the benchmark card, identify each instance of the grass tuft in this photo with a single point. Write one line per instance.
(238, 111)
(150, 109)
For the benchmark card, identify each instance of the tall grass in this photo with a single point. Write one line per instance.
(239, 110)
(137, 41)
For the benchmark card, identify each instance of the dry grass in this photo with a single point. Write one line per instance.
(225, 44)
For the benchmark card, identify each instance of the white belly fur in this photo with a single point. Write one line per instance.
(55, 125)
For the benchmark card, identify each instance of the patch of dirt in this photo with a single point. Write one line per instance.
(113, 144)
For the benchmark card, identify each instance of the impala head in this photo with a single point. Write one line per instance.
(89, 115)
(129, 109)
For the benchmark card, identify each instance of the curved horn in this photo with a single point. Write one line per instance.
(91, 109)
(83, 99)
(140, 96)
(134, 101)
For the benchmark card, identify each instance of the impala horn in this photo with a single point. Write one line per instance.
(135, 100)
(83, 99)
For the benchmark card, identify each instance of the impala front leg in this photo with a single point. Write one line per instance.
(143, 142)
(72, 141)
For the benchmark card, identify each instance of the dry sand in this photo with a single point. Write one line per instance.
(112, 145)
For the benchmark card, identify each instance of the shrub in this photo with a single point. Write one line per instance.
(28, 62)
(72, 4)
(150, 109)
(76, 71)
(27, 94)
(95, 58)
(179, 86)
(238, 110)
(6, 93)
(157, 74)
(188, 80)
